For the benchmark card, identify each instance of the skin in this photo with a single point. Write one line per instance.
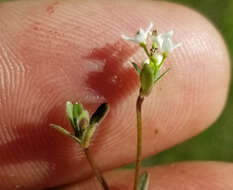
(54, 51)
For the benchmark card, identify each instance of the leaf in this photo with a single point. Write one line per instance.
(144, 181)
(69, 112)
(99, 113)
(165, 72)
(77, 110)
(65, 132)
(136, 67)
(60, 129)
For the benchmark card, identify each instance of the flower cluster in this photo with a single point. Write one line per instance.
(162, 45)
(83, 125)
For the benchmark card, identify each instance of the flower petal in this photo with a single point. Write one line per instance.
(124, 37)
(148, 30)
(140, 36)
(167, 45)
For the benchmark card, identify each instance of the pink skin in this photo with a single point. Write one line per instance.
(54, 51)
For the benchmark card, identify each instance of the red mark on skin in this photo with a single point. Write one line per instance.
(115, 81)
(36, 26)
(51, 8)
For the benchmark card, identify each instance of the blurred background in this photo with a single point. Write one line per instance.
(216, 143)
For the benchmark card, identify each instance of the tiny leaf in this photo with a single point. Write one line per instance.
(69, 112)
(60, 129)
(77, 110)
(143, 181)
(165, 72)
(65, 132)
(136, 67)
(99, 113)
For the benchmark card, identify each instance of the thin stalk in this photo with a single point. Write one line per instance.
(143, 45)
(96, 171)
(139, 140)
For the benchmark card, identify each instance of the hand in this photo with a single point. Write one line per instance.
(54, 51)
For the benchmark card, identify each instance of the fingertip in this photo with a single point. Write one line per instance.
(72, 50)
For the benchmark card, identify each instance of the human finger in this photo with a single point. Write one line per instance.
(52, 52)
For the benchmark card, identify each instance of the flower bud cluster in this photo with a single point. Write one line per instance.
(83, 125)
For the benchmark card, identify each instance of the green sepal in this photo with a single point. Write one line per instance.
(99, 113)
(147, 79)
(136, 67)
(144, 181)
(165, 72)
(69, 110)
(69, 113)
(77, 110)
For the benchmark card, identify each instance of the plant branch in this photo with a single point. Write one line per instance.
(96, 171)
(139, 140)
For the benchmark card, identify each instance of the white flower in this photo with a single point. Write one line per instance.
(140, 36)
(165, 43)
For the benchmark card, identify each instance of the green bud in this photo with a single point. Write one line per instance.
(84, 115)
(154, 45)
(83, 121)
(83, 124)
(147, 79)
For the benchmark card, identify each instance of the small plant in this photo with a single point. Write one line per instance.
(150, 73)
(84, 128)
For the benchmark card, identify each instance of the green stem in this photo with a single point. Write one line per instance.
(97, 173)
(163, 60)
(139, 140)
(143, 45)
